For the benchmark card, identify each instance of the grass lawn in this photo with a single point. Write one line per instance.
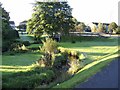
(99, 53)
(26, 37)
(18, 62)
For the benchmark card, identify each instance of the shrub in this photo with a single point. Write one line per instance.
(6, 45)
(30, 79)
(10, 34)
(49, 46)
(18, 48)
(117, 30)
(50, 76)
(73, 42)
(60, 60)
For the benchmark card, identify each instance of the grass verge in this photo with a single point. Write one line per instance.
(86, 72)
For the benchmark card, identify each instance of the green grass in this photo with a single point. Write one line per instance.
(18, 62)
(26, 37)
(95, 50)
(85, 73)
(99, 53)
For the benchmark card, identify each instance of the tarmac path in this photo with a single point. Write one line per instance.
(106, 78)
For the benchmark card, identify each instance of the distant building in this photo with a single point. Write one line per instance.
(12, 24)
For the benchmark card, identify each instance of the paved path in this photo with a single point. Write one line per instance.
(107, 78)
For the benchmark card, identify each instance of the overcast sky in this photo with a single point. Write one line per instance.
(105, 11)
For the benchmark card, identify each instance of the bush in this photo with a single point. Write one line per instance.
(18, 48)
(50, 76)
(60, 60)
(73, 42)
(30, 79)
(118, 30)
(6, 45)
(49, 46)
(10, 34)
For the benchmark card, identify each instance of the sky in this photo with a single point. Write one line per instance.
(105, 11)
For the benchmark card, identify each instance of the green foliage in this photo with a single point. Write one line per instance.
(22, 25)
(30, 79)
(49, 46)
(80, 27)
(68, 60)
(8, 34)
(17, 48)
(112, 26)
(94, 29)
(117, 30)
(59, 61)
(100, 27)
(6, 45)
(7, 31)
(50, 17)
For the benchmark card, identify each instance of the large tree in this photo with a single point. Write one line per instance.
(80, 27)
(50, 17)
(22, 25)
(112, 26)
(100, 28)
(8, 34)
(7, 31)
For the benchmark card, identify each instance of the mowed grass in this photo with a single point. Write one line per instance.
(25, 37)
(99, 53)
(18, 62)
(95, 50)
(22, 61)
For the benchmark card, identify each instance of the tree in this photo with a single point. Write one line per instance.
(49, 48)
(50, 17)
(22, 25)
(100, 27)
(8, 33)
(117, 30)
(80, 27)
(94, 28)
(112, 26)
